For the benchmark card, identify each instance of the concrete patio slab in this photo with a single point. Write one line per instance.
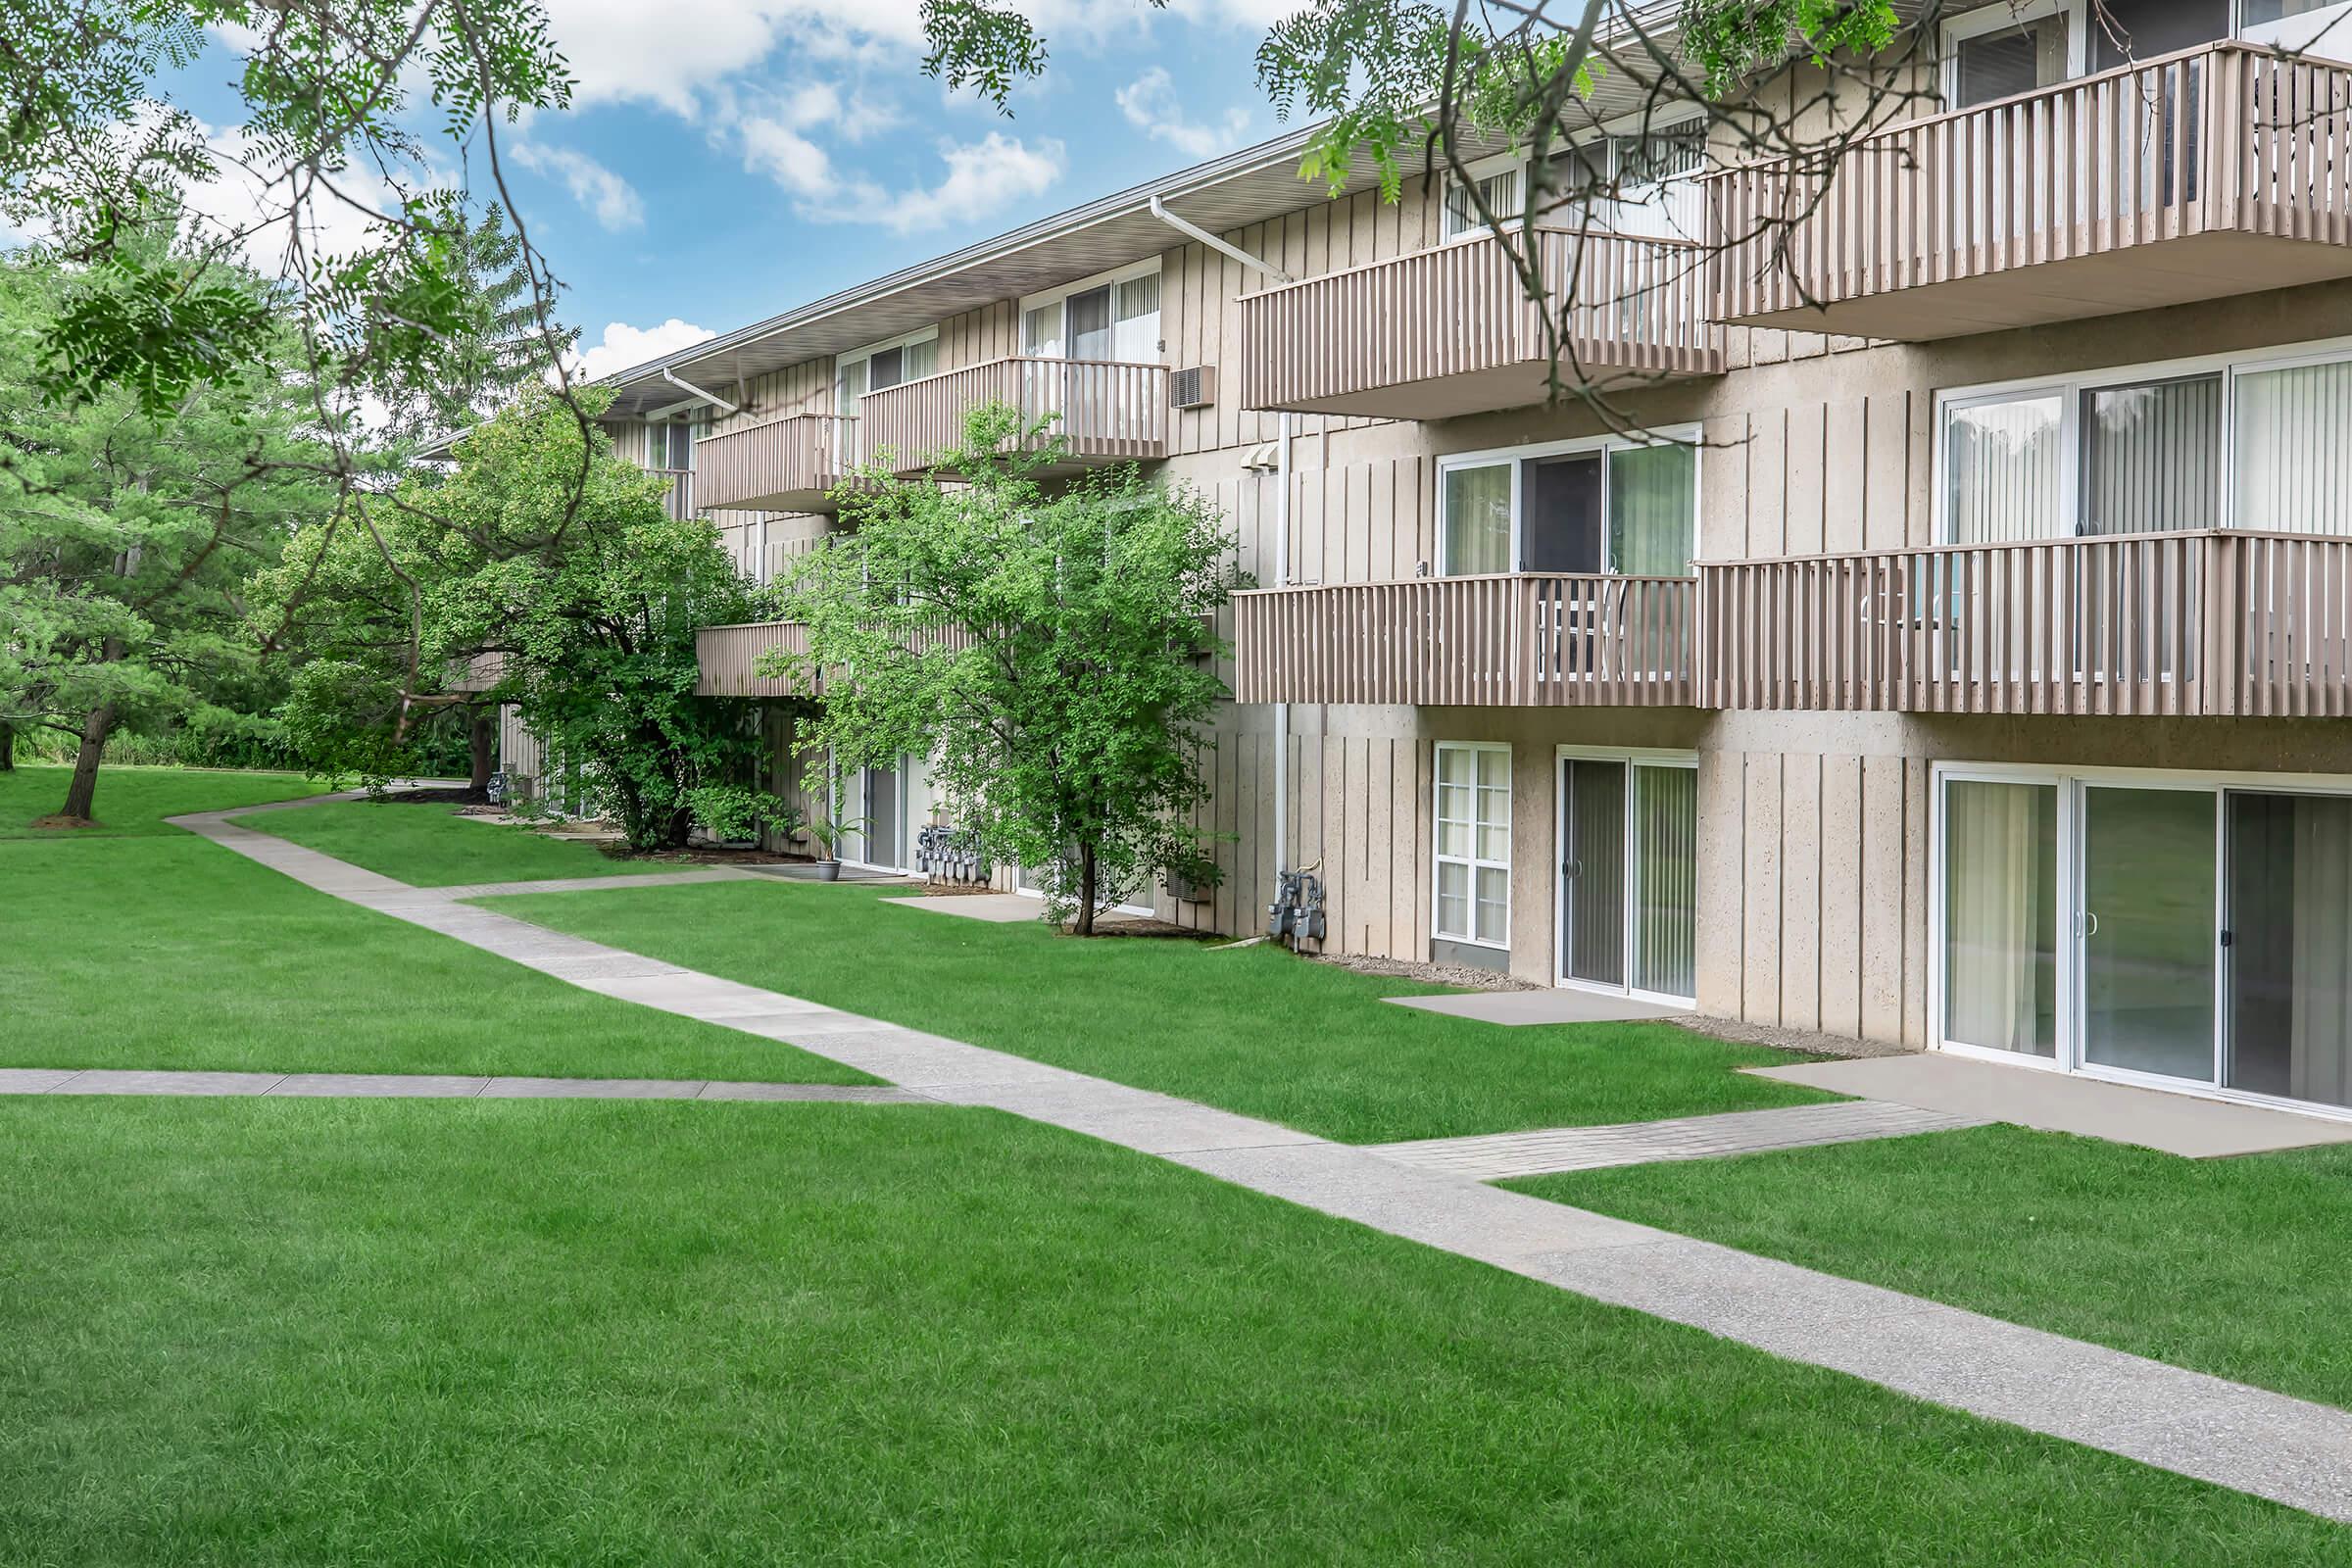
(1495, 1156)
(2176, 1124)
(1560, 1004)
(998, 909)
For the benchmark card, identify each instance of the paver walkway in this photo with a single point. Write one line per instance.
(2291, 1450)
(1492, 1157)
(424, 1086)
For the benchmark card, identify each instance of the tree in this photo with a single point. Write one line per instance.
(125, 535)
(1052, 654)
(584, 595)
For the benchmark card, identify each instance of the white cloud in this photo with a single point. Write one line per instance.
(612, 199)
(626, 49)
(624, 345)
(1153, 105)
(983, 178)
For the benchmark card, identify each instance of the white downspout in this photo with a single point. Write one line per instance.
(711, 397)
(1282, 524)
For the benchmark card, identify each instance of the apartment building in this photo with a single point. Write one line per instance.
(1949, 646)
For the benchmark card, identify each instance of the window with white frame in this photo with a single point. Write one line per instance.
(883, 364)
(1473, 812)
(1999, 51)
(2245, 441)
(670, 445)
(1111, 316)
(1605, 504)
(1633, 179)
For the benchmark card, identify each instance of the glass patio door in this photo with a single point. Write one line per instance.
(2150, 942)
(1628, 874)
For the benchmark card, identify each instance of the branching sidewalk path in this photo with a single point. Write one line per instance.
(1497, 1156)
(2290, 1451)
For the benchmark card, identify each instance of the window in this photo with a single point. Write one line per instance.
(1629, 871)
(1999, 51)
(1499, 186)
(1474, 843)
(2250, 443)
(1109, 317)
(884, 364)
(672, 445)
(1606, 505)
(1640, 180)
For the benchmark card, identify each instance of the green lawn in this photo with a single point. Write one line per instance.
(1255, 1030)
(255, 1333)
(2238, 1267)
(174, 952)
(432, 847)
(134, 801)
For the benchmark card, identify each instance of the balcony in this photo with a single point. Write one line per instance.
(1516, 641)
(1104, 411)
(1453, 330)
(787, 465)
(725, 655)
(2232, 623)
(2217, 171)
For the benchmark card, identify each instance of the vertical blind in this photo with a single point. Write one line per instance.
(2294, 449)
(2004, 464)
(2152, 457)
(1666, 879)
(1478, 519)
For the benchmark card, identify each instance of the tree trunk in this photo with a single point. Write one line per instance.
(82, 793)
(681, 824)
(1086, 887)
(8, 749)
(483, 739)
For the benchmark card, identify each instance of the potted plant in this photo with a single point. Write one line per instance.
(828, 832)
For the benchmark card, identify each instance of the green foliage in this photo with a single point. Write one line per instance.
(1051, 653)
(93, 137)
(558, 561)
(730, 811)
(988, 48)
(1730, 38)
(124, 537)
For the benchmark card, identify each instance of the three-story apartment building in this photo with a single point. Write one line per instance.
(1952, 649)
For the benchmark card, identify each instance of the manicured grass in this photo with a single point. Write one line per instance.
(255, 1334)
(1255, 1030)
(174, 952)
(2237, 1267)
(433, 846)
(134, 801)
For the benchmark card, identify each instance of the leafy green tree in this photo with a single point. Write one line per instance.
(1051, 653)
(584, 595)
(126, 535)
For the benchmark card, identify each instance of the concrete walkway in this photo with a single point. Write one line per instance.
(2290, 1451)
(424, 1086)
(1494, 1157)
(2060, 1102)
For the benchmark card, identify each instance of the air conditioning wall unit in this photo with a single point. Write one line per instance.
(1194, 387)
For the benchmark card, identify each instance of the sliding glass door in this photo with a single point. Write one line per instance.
(1628, 874)
(2197, 932)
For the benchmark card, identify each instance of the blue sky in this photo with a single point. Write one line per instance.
(730, 159)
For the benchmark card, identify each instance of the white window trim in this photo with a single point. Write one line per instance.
(1639, 122)
(1998, 18)
(1684, 434)
(1633, 757)
(2069, 386)
(1472, 860)
(2070, 782)
(1149, 268)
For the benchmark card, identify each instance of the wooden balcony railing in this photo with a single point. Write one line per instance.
(1501, 641)
(680, 498)
(1105, 411)
(2242, 156)
(786, 465)
(1455, 330)
(725, 657)
(2220, 622)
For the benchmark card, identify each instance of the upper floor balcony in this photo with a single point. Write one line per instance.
(1457, 329)
(2220, 169)
(725, 658)
(1515, 640)
(786, 465)
(2227, 622)
(1102, 411)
